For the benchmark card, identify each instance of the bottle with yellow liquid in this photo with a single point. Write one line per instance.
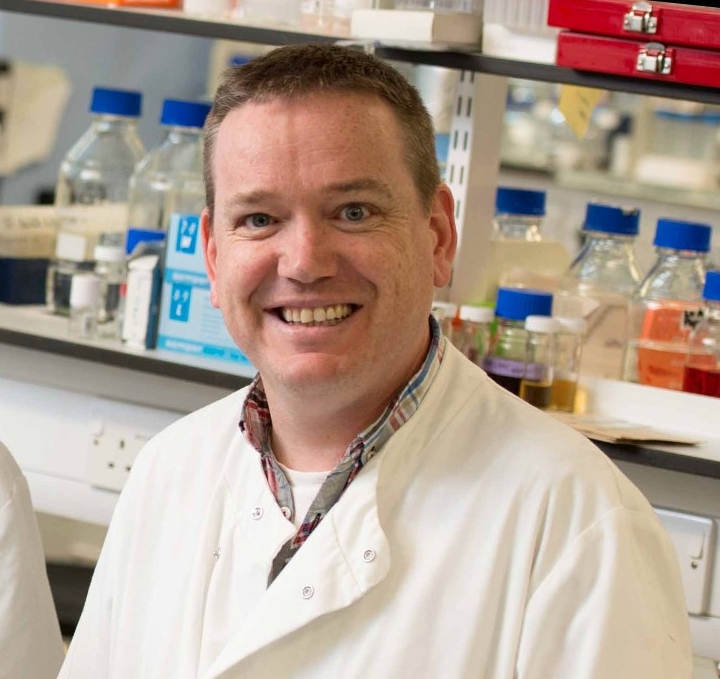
(519, 255)
(668, 305)
(536, 384)
(568, 350)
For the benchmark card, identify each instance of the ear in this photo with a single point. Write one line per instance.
(210, 253)
(442, 224)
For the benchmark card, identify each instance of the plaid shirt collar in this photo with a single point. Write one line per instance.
(256, 426)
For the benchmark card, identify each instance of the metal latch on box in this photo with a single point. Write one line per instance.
(654, 58)
(640, 19)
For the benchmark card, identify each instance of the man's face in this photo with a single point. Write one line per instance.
(321, 256)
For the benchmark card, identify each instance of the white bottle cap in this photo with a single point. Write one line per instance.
(84, 290)
(477, 314)
(575, 326)
(544, 324)
(447, 309)
(109, 253)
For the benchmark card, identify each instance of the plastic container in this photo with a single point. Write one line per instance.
(702, 369)
(598, 286)
(92, 188)
(519, 257)
(568, 352)
(458, 6)
(536, 384)
(84, 299)
(280, 12)
(668, 305)
(473, 336)
(110, 271)
(175, 163)
(505, 362)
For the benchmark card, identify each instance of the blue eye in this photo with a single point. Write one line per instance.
(355, 213)
(259, 220)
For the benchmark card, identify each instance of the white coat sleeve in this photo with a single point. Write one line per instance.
(30, 642)
(611, 608)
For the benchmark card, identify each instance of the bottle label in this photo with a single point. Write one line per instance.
(70, 246)
(509, 368)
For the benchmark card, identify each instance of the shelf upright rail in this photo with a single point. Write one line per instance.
(472, 173)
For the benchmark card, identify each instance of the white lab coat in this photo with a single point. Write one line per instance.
(486, 540)
(30, 642)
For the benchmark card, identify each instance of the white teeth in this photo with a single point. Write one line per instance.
(316, 315)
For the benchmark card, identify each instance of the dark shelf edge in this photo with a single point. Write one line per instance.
(457, 59)
(120, 359)
(483, 63)
(661, 459)
(165, 23)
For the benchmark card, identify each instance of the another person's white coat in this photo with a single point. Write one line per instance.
(485, 541)
(30, 642)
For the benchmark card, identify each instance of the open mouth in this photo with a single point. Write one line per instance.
(315, 316)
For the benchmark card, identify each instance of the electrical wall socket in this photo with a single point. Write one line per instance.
(111, 454)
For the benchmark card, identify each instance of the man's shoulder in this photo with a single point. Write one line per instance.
(517, 444)
(194, 444)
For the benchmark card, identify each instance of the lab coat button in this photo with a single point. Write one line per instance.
(256, 513)
(286, 512)
(368, 555)
(307, 592)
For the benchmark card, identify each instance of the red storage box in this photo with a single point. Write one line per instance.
(640, 59)
(665, 22)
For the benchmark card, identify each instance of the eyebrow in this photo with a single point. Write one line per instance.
(251, 198)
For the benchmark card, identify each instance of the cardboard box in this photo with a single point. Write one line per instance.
(189, 324)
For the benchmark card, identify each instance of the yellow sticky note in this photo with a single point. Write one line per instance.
(577, 105)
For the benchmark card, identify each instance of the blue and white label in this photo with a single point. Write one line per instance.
(187, 233)
(180, 303)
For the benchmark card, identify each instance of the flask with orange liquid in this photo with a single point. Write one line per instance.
(667, 306)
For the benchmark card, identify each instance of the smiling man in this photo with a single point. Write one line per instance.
(372, 505)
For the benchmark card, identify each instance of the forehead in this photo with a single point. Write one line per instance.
(330, 129)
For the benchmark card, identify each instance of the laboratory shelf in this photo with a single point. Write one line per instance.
(685, 459)
(32, 327)
(467, 60)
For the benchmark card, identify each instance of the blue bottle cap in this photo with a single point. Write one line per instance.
(184, 113)
(679, 235)
(611, 219)
(135, 236)
(711, 290)
(512, 201)
(116, 102)
(240, 60)
(516, 304)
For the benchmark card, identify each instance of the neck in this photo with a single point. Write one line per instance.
(308, 435)
(312, 431)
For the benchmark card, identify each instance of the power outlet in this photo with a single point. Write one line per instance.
(112, 454)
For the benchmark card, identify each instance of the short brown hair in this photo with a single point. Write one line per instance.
(301, 70)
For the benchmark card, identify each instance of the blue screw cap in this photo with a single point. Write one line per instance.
(116, 102)
(612, 219)
(516, 304)
(513, 201)
(184, 113)
(711, 290)
(679, 235)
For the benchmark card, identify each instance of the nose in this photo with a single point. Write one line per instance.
(308, 251)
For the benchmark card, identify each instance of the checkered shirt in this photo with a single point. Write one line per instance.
(256, 425)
